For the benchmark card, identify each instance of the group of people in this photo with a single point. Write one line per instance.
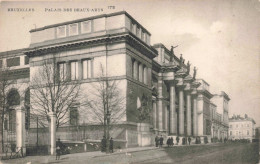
(104, 146)
(159, 141)
(170, 141)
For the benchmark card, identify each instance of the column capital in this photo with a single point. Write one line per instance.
(195, 84)
(188, 79)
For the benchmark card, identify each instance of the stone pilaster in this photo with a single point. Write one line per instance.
(154, 114)
(195, 116)
(20, 131)
(160, 106)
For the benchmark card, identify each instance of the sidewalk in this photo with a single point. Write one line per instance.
(88, 155)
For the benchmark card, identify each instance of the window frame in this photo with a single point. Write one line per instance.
(65, 31)
(77, 29)
(82, 26)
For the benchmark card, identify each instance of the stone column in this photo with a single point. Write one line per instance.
(20, 131)
(188, 113)
(166, 118)
(154, 115)
(195, 116)
(159, 105)
(52, 127)
(173, 121)
(181, 111)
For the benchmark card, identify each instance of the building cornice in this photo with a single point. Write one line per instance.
(205, 93)
(105, 39)
(91, 18)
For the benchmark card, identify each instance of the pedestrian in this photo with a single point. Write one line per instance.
(156, 141)
(111, 145)
(168, 142)
(103, 144)
(59, 146)
(177, 139)
(161, 141)
(183, 140)
(172, 141)
(189, 139)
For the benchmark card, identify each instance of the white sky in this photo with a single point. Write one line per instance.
(219, 37)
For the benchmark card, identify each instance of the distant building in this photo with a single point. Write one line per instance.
(221, 101)
(204, 119)
(241, 128)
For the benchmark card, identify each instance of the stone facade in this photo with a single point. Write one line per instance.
(241, 128)
(177, 103)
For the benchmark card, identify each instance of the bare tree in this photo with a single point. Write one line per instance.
(6, 80)
(52, 90)
(106, 104)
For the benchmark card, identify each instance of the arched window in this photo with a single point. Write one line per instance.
(13, 97)
(12, 120)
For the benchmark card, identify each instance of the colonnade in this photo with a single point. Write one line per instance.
(174, 119)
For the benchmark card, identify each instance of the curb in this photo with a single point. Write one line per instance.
(103, 155)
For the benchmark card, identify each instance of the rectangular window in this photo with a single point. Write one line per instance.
(62, 71)
(26, 60)
(86, 27)
(61, 31)
(231, 133)
(87, 69)
(1, 63)
(13, 62)
(74, 116)
(248, 132)
(133, 29)
(145, 37)
(138, 32)
(142, 35)
(74, 70)
(73, 29)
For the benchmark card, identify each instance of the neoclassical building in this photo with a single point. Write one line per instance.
(152, 79)
(241, 128)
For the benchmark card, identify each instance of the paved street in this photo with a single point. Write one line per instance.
(214, 153)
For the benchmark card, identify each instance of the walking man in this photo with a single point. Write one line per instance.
(59, 146)
(111, 149)
(156, 141)
(103, 144)
(161, 141)
(189, 139)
